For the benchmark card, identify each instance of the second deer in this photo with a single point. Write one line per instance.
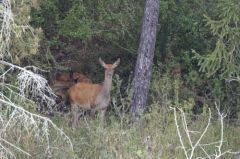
(90, 96)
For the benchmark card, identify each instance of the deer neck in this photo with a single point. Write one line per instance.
(107, 84)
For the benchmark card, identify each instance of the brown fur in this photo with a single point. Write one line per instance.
(85, 94)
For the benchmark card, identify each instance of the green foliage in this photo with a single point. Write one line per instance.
(224, 60)
(77, 23)
(111, 20)
(46, 17)
(182, 27)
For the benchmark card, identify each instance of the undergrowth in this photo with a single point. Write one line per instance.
(153, 137)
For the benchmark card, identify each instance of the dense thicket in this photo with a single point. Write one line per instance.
(197, 42)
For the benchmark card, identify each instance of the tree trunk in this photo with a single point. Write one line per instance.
(142, 74)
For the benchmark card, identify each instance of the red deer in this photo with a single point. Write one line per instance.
(94, 97)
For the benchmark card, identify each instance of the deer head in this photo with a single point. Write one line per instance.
(109, 68)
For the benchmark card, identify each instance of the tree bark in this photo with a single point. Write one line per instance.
(142, 74)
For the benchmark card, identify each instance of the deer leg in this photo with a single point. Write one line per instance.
(102, 115)
(80, 112)
(75, 114)
(92, 113)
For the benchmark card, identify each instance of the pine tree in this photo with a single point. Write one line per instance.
(225, 58)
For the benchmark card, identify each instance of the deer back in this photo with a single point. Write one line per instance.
(84, 94)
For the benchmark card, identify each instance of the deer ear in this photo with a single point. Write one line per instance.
(116, 63)
(102, 62)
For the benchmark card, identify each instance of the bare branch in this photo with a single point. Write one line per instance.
(6, 17)
(189, 152)
(31, 84)
(178, 132)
